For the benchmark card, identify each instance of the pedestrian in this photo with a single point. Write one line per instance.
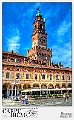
(64, 96)
(26, 99)
(67, 97)
(22, 99)
(2, 95)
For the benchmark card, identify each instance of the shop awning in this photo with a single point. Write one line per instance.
(30, 90)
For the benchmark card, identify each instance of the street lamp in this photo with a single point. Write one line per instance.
(16, 82)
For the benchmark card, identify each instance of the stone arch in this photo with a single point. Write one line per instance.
(50, 86)
(5, 89)
(35, 85)
(26, 86)
(44, 85)
(19, 86)
(70, 85)
(14, 86)
(8, 85)
(63, 85)
(57, 86)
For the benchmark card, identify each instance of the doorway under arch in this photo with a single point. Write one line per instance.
(4, 91)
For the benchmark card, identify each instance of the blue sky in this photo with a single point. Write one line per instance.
(17, 27)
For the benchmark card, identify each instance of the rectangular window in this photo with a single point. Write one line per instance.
(35, 76)
(7, 75)
(57, 77)
(8, 68)
(43, 76)
(18, 76)
(27, 76)
(63, 77)
(17, 60)
(68, 77)
(50, 77)
(12, 60)
(4, 58)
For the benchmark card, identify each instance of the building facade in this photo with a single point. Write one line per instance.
(34, 71)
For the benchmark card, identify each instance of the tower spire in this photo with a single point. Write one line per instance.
(39, 13)
(38, 8)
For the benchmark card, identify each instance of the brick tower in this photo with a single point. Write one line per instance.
(39, 53)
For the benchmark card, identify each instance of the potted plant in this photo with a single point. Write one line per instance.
(49, 95)
(59, 95)
(54, 95)
(43, 96)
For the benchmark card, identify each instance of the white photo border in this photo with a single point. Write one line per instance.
(43, 112)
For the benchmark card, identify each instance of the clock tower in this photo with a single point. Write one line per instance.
(39, 37)
(39, 52)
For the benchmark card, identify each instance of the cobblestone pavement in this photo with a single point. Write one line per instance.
(40, 102)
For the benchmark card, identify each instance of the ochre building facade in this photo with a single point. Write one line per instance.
(34, 71)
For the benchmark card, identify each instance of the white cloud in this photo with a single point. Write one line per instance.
(13, 43)
(25, 21)
(64, 27)
(62, 55)
(13, 38)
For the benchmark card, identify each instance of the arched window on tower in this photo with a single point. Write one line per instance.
(35, 27)
(40, 26)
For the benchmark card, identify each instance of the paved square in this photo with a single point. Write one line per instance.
(39, 102)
